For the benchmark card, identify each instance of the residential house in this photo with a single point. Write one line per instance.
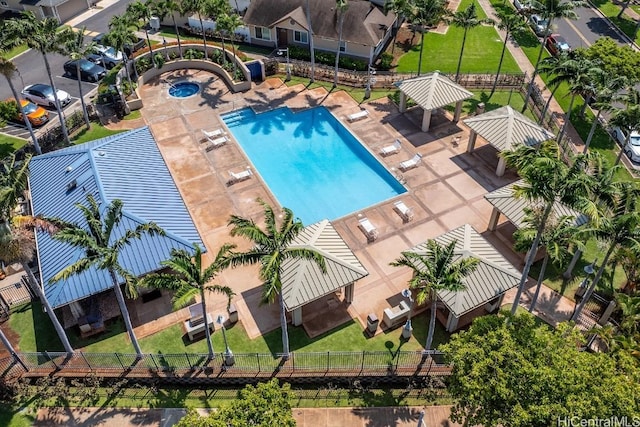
(62, 10)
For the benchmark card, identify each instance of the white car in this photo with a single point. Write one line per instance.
(110, 56)
(522, 5)
(43, 95)
(633, 149)
(539, 25)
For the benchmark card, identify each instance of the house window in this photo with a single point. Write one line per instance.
(301, 37)
(263, 33)
(343, 46)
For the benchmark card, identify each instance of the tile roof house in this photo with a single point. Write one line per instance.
(281, 23)
(126, 166)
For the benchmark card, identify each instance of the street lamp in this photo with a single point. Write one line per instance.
(371, 72)
(420, 419)
(164, 45)
(407, 329)
(229, 360)
(280, 53)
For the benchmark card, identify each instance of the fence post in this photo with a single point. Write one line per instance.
(189, 361)
(362, 363)
(86, 361)
(51, 360)
(328, 361)
(154, 361)
(258, 359)
(120, 360)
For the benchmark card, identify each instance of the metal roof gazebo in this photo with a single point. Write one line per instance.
(303, 281)
(431, 91)
(503, 129)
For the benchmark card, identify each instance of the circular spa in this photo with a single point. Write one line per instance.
(183, 89)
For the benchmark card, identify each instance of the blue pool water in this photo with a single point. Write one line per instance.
(183, 89)
(311, 163)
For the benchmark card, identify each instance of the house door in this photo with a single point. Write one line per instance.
(283, 37)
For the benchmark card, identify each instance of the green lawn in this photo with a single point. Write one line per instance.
(499, 99)
(9, 144)
(13, 417)
(97, 131)
(441, 51)
(624, 23)
(357, 93)
(12, 53)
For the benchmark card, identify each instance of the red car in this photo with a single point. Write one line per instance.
(556, 44)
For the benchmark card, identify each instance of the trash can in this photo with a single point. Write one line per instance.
(372, 324)
(233, 314)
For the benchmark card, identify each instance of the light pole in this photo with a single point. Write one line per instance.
(164, 45)
(370, 72)
(229, 360)
(281, 52)
(407, 329)
(582, 289)
(420, 419)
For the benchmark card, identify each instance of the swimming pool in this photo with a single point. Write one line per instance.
(311, 163)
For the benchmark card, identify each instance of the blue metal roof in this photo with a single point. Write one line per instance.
(126, 166)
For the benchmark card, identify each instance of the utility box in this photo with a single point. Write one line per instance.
(372, 324)
(154, 23)
(233, 314)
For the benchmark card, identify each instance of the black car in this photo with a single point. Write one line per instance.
(88, 70)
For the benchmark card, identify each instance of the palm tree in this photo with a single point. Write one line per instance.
(139, 11)
(272, 246)
(311, 48)
(8, 70)
(548, 180)
(119, 35)
(550, 10)
(425, 14)
(401, 8)
(510, 23)
(102, 248)
(43, 36)
(629, 259)
(217, 10)
(627, 118)
(228, 23)
(561, 69)
(437, 269)
(77, 50)
(169, 7)
(606, 87)
(559, 235)
(341, 9)
(14, 182)
(466, 19)
(188, 279)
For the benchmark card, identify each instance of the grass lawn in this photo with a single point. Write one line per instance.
(9, 144)
(357, 93)
(97, 131)
(499, 99)
(13, 52)
(13, 417)
(136, 114)
(441, 51)
(624, 23)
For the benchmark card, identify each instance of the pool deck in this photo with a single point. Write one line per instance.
(446, 189)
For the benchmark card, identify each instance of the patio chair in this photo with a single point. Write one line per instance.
(411, 163)
(388, 150)
(210, 135)
(357, 116)
(240, 176)
(368, 229)
(216, 143)
(405, 212)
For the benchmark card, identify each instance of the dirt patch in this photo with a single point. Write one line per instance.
(13, 338)
(404, 42)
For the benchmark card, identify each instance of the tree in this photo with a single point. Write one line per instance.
(550, 10)
(139, 11)
(402, 9)
(102, 247)
(188, 279)
(438, 269)
(218, 10)
(41, 35)
(170, 7)
(341, 9)
(232, 22)
(466, 19)
(119, 35)
(548, 180)
(510, 23)
(629, 259)
(615, 60)
(606, 87)
(271, 247)
(77, 50)
(8, 70)
(627, 118)
(425, 14)
(515, 373)
(561, 69)
(311, 48)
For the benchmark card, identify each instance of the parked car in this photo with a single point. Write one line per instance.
(633, 149)
(556, 44)
(522, 5)
(129, 48)
(88, 70)
(95, 58)
(43, 95)
(538, 24)
(36, 114)
(110, 56)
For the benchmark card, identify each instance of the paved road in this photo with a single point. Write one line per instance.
(586, 30)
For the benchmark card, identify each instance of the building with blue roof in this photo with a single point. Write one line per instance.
(126, 166)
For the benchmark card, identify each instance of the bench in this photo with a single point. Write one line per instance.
(357, 116)
(195, 326)
(395, 316)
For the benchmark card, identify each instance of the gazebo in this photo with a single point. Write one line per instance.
(503, 129)
(485, 286)
(303, 281)
(432, 91)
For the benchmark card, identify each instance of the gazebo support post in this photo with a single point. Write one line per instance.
(471, 145)
(572, 264)
(426, 120)
(493, 220)
(501, 166)
(348, 293)
(296, 317)
(403, 102)
(456, 115)
(452, 323)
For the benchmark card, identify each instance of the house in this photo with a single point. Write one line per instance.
(126, 166)
(62, 10)
(280, 23)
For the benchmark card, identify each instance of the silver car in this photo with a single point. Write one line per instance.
(539, 25)
(110, 56)
(632, 150)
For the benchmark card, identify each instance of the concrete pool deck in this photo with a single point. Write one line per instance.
(446, 189)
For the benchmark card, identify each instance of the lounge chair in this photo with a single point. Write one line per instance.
(218, 142)
(240, 176)
(405, 212)
(411, 163)
(357, 116)
(368, 229)
(388, 150)
(210, 135)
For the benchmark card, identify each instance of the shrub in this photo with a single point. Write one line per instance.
(386, 60)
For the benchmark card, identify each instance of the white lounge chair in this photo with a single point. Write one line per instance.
(357, 116)
(405, 212)
(411, 163)
(240, 176)
(368, 229)
(218, 142)
(209, 135)
(388, 150)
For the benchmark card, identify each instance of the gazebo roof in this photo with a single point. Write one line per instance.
(493, 276)
(303, 281)
(513, 207)
(433, 90)
(503, 128)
